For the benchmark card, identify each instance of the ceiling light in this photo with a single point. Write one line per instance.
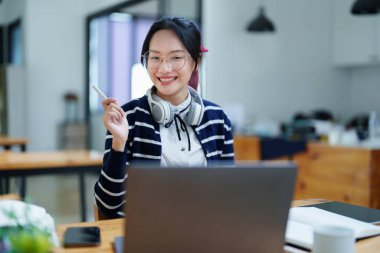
(365, 7)
(261, 23)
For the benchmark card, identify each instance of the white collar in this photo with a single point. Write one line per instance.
(184, 104)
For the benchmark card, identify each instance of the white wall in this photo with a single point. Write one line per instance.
(16, 102)
(97, 5)
(365, 90)
(10, 10)
(55, 63)
(54, 32)
(183, 8)
(273, 75)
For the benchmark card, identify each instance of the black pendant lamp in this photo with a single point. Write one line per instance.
(261, 23)
(365, 7)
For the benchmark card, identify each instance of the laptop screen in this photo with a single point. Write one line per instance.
(208, 209)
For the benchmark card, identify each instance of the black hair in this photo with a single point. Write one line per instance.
(185, 29)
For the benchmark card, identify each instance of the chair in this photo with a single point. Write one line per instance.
(99, 215)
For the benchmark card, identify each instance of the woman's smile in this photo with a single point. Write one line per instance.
(167, 80)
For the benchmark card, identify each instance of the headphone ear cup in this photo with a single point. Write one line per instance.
(162, 111)
(168, 110)
(158, 112)
(194, 115)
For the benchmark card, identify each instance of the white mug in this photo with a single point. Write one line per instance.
(333, 239)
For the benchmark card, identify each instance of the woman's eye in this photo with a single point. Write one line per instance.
(154, 58)
(177, 58)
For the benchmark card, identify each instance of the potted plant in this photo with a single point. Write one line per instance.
(25, 228)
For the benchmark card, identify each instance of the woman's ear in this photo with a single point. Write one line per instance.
(196, 66)
(193, 82)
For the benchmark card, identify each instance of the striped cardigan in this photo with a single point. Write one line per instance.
(144, 144)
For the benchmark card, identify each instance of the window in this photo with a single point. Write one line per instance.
(115, 42)
(2, 46)
(15, 52)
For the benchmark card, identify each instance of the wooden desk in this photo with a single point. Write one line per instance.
(112, 228)
(8, 142)
(54, 162)
(339, 173)
(109, 229)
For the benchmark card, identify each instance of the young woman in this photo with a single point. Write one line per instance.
(171, 125)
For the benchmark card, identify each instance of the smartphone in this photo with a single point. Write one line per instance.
(81, 237)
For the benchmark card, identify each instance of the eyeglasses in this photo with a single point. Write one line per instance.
(153, 60)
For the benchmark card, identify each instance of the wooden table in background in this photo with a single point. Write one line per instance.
(109, 229)
(8, 142)
(339, 173)
(53, 162)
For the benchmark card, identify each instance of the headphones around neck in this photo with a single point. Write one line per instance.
(163, 111)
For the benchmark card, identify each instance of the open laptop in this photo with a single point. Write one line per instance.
(208, 209)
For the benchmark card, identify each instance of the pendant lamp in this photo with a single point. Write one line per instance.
(365, 7)
(261, 23)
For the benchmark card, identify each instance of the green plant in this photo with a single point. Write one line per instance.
(23, 236)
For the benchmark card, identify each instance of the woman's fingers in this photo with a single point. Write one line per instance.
(116, 107)
(116, 110)
(114, 119)
(110, 105)
(106, 102)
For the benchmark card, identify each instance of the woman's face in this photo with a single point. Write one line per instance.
(170, 66)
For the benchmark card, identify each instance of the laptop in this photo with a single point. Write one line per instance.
(208, 209)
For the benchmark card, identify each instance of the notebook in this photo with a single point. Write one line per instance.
(361, 213)
(208, 209)
(303, 220)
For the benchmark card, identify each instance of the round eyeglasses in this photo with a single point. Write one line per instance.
(176, 60)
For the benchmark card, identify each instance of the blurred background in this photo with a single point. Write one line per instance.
(313, 74)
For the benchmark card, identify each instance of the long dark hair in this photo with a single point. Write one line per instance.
(187, 32)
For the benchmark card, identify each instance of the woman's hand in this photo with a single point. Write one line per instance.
(115, 121)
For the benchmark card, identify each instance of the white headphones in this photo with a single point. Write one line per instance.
(163, 111)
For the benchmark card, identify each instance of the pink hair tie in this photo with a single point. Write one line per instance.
(203, 49)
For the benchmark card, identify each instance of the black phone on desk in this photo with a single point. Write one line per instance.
(81, 236)
(365, 214)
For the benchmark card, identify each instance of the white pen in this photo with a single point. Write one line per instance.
(100, 93)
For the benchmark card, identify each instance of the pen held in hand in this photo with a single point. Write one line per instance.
(100, 93)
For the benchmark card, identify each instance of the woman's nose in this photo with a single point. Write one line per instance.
(165, 66)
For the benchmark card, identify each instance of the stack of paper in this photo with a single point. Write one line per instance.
(301, 221)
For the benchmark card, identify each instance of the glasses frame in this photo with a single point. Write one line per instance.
(163, 60)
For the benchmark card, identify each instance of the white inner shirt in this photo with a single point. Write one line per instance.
(176, 152)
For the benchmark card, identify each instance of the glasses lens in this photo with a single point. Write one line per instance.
(175, 61)
(152, 60)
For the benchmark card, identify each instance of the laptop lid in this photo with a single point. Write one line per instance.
(208, 209)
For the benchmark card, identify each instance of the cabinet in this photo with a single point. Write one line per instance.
(73, 136)
(339, 173)
(356, 39)
(247, 148)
